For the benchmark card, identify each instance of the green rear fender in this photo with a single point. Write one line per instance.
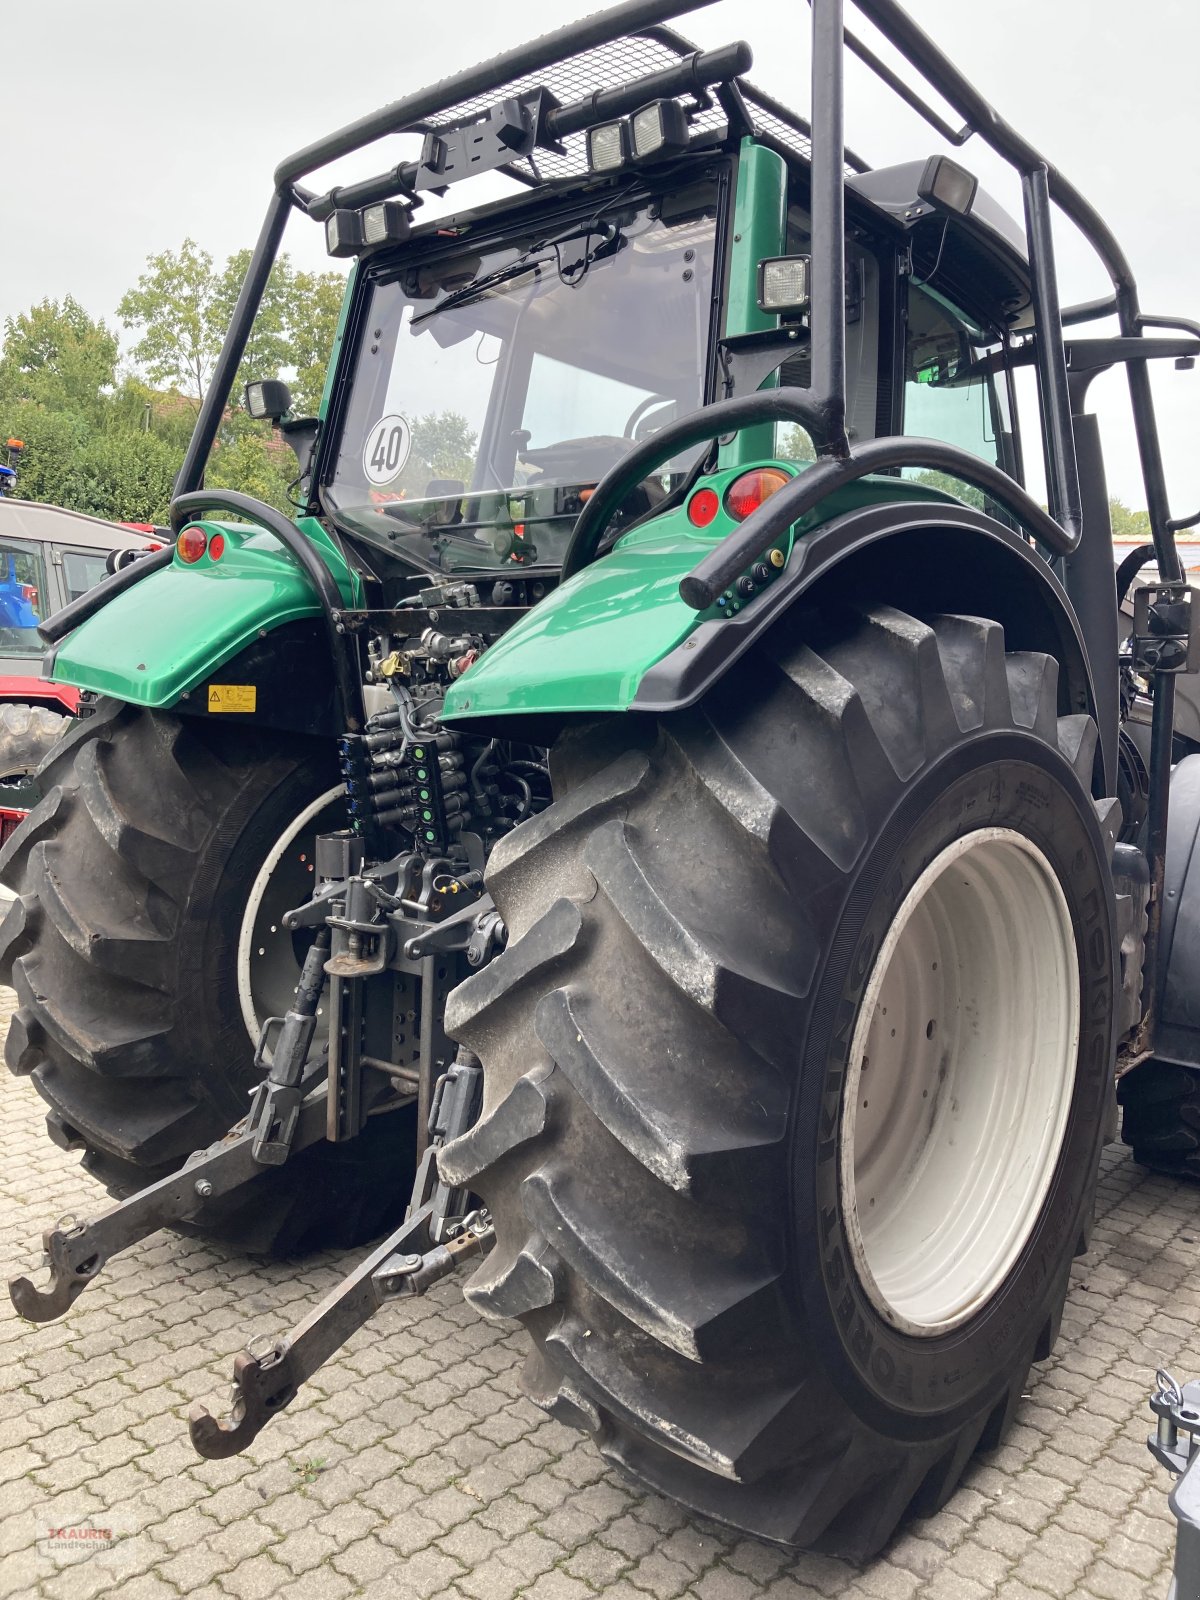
(587, 646)
(158, 641)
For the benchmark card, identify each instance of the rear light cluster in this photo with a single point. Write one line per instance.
(743, 496)
(193, 542)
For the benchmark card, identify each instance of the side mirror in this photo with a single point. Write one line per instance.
(268, 400)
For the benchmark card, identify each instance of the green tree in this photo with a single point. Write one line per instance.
(256, 465)
(315, 307)
(52, 442)
(792, 443)
(445, 443)
(182, 306)
(172, 307)
(269, 347)
(126, 477)
(58, 356)
(1127, 524)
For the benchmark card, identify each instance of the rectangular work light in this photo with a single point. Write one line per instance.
(268, 399)
(387, 221)
(783, 283)
(946, 186)
(607, 146)
(343, 233)
(658, 128)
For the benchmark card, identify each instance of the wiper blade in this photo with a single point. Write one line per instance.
(607, 232)
(480, 286)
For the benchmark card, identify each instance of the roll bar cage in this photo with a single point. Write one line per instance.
(1042, 185)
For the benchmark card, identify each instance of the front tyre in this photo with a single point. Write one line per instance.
(796, 1068)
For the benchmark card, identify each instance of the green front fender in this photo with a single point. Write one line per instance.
(170, 632)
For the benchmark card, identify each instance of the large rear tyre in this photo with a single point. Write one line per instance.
(796, 1067)
(144, 947)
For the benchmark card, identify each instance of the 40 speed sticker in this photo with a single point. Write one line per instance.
(388, 442)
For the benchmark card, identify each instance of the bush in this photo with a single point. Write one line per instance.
(254, 465)
(52, 440)
(126, 477)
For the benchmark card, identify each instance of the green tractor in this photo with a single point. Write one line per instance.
(670, 816)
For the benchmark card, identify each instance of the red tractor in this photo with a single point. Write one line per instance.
(48, 557)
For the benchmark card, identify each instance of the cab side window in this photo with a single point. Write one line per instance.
(82, 570)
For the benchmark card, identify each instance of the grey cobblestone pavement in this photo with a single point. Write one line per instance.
(415, 1469)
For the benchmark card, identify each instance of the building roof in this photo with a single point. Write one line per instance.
(29, 519)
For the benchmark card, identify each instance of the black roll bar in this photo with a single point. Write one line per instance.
(942, 75)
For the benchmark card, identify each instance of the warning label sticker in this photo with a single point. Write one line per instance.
(232, 697)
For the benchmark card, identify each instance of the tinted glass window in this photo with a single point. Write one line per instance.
(22, 587)
(82, 571)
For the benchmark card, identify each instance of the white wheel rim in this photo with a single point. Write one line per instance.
(267, 972)
(959, 1082)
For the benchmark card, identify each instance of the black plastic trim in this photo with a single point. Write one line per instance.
(690, 670)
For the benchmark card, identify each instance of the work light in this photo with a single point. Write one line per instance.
(783, 283)
(607, 146)
(343, 233)
(946, 186)
(658, 129)
(386, 221)
(268, 399)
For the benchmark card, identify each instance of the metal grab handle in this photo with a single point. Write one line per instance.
(728, 559)
(78, 611)
(724, 416)
(186, 507)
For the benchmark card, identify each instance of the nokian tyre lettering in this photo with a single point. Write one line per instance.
(131, 877)
(691, 926)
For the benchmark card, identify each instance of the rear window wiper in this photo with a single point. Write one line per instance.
(609, 236)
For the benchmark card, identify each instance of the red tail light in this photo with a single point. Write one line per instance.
(702, 508)
(216, 547)
(745, 494)
(191, 544)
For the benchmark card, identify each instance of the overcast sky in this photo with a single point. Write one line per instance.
(128, 125)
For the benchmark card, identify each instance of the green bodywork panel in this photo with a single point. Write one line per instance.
(172, 630)
(759, 230)
(586, 647)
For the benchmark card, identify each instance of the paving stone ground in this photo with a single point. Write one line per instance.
(414, 1469)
